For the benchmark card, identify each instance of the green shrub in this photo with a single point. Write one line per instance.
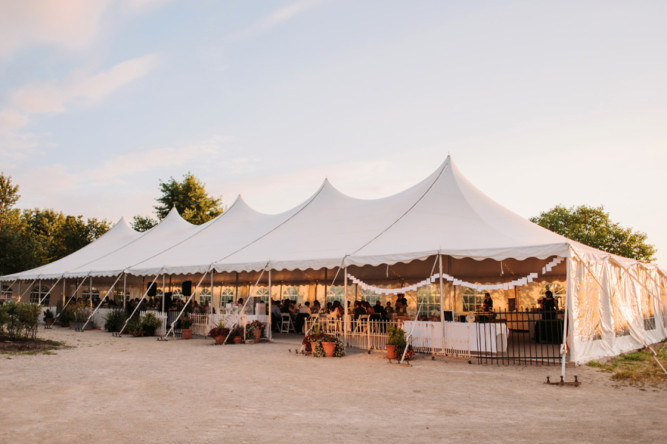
(134, 326)
(67, 316)
(396, 336)
(114, 320)
(19, 320)
(150, 323)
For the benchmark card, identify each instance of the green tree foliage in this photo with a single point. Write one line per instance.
(592, 226)
(35, 237)
(190, 199)
(141, 223)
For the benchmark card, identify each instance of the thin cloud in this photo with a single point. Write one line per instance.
(81, 90)
(276, 18)
(68, 24)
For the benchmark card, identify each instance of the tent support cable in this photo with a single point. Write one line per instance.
(194, 292)
(83, 328)
(412, 329)
(83, 281)
(138, 305)
(50, 290)
(245, 303)
(26, 290)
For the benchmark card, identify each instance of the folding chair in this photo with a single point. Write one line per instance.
(362, 323)
(286, 325)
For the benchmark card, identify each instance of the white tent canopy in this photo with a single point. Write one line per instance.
(615, 304)
(170, 230)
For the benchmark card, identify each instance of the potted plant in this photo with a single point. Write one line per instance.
(395, 339)
(237, 335)
(114, 320)
(150, 323)
(312, 339)
(66, 316)
(134, 327)
(81, 315)
(329, 346)
(186, 331)
(48, 317)
(219, 333)
(255, 330)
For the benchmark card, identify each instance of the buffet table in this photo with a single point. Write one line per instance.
(459, 336)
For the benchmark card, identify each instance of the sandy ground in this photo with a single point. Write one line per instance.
(107, 389)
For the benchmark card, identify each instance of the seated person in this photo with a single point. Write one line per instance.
(379, 309)
(358, 310)
(316, 307)
(487, 305)
(305, 308)
(389, 310)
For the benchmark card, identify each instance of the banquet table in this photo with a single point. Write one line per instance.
(459, 336)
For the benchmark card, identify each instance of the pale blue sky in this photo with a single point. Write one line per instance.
(539, 103)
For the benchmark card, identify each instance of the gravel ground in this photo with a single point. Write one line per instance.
(116, 390)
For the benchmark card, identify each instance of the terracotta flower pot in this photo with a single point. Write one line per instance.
(220, 339)
(329, 349)
(312, 346)
(48, 321)
(391, 352)
(186, 333)
(238, 339)
(257, 333)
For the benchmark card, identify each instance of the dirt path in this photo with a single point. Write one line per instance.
(114, 390)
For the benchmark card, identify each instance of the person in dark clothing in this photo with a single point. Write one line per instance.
(549, 306)
(379, 310)
(488, 303)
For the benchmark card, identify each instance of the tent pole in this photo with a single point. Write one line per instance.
(39, 291)
(124, 291)
(64, 291)
(90, 291)
(210, 311)
(325, 287)
(442, 303)
(345, 318)
(449, 270)
(19, 292)
(568, 297)
(270, 315)
(164, 278)
(236, 288)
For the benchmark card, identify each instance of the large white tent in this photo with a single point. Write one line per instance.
(613, 304)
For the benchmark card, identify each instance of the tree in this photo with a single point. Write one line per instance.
(35, 237)
(592, 226)
(190, 199)
(141, 223)
(9, 194)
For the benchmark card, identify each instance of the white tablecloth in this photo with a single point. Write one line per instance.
(464, 336)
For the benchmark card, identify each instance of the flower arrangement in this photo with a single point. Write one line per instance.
(253, 326)
(319, 350)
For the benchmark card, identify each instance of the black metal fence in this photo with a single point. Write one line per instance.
(527, 338)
